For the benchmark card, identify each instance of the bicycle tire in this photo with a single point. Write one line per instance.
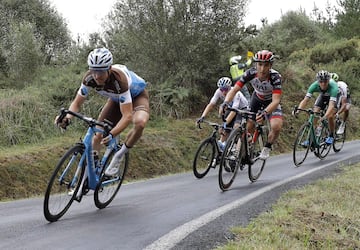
(300, 149)
(204, 157)
(230, 160)
(257, 165)
(64, 184)
(107, 188)
(324, 148)
(339, 139)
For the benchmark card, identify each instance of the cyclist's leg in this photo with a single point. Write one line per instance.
(110, 112)
(140, 118)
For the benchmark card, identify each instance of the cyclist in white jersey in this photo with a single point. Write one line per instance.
(127, 101)
(344, 104)
(240, 102)
(266, 97)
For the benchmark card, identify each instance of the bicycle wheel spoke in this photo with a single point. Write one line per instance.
(302, 144)
(255, 169)
(324, 148)
(339, 139)
(63, 184)
(108, 187)
(230, 161)
(204, 158)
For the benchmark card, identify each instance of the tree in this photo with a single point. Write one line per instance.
(294, 31)
(180, 43)
(348, 19)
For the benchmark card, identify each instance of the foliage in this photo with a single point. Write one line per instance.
(295, 31)
(348, 19)
(22, 53)
(177, 42)
(32, 34)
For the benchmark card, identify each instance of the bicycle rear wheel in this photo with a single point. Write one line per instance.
(204, 157)
(324, 148)
(302, 144)
(64, 183)
(230, 160)
(257, 165)
(339, 139)
(108, 187)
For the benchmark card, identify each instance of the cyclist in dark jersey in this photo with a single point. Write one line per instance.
(127, 101)
(265, 98)
(328, 97)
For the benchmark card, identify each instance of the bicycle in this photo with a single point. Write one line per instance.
(243, 148)
(339, 139)
(76, 172)
(309, 139)
(208, 153)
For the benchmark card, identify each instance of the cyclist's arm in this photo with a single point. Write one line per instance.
(230, 95)
(276, 98)
(304, 102)
(207, 110)
(76, 104)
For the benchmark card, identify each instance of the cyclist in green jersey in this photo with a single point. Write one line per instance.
(328, 97)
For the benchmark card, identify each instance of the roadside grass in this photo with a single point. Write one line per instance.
(322, 215)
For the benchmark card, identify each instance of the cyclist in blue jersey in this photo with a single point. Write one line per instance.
(127, 101)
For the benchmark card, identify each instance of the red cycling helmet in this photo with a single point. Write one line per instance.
(264, 56)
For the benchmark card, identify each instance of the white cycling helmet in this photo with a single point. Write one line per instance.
(224, 83)
(234, 60)
(100, 59)
(323, 75)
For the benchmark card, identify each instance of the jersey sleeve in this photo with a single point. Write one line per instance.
(83, 90)
(313, 87)
(215, 97)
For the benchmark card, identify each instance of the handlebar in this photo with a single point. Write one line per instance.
(213, 124)
(91, 122)
(309, 111)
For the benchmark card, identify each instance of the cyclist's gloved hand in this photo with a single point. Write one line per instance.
(107, 139)
(225, 126)
(260, 116)
(200, 120)
(63, 123)
(295, 113)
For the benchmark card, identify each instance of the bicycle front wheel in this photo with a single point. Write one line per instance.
(204, 158)
(64, 183)
(324, 148)
(230, 160)
(302, 144)
(257, 165)
(108, 187)
(339, 139)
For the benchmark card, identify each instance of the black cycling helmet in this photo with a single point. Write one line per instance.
(323, 75)
(264, 56)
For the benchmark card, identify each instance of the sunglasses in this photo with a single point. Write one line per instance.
(224, 89)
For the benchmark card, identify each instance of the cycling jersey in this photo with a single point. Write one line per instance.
(239, 100)
(331, 91)
(344, 90)
(114, 89)
(263, 89)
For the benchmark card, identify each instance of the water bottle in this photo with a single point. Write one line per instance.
(97, 165)
(318, 130)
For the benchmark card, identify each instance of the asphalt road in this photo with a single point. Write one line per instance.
(172, 212)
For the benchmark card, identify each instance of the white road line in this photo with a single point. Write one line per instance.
(170, 239)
